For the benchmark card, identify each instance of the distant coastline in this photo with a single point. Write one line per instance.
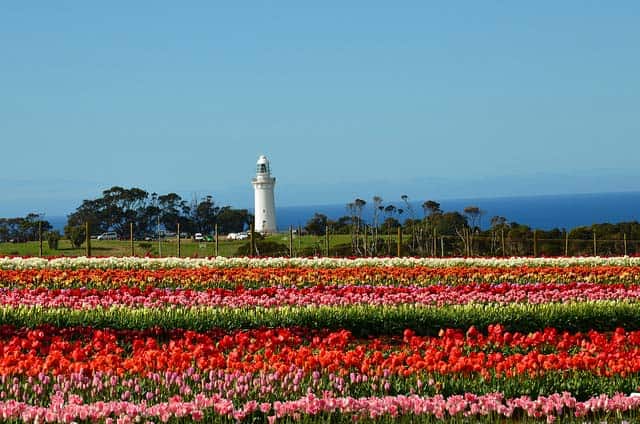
(543, 212)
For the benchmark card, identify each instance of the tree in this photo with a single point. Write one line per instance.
(431, 207)
(90, 211)
(377, 209)
(173, 210)
(449, 224)
(4, 230)
(411, 221)
(317, 225)
(11, 229)
(359, 206)
(342, 225)
(498, 226)
(474, 214)
(233, 220)
(114, 211)
(519, 239)
(123, 206)
(205, 215)
(23, 228)
(29, 226)
(389, 211)
(390, 224)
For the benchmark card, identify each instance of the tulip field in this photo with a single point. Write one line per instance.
(319, 340)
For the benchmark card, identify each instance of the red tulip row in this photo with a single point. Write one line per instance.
(51, 350)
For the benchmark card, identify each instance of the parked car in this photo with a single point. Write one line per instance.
(237, 236)
(109, 235)
(198, 237)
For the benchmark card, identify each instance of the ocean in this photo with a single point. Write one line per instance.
(540, 212)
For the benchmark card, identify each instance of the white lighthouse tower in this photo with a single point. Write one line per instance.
(265, 205)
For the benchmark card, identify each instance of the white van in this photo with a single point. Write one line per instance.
(109, 235)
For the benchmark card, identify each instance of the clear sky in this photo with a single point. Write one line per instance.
(347, 98)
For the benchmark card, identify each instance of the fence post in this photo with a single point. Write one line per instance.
(299, 239)
(291, 241)
(435, 242)
(625, 244)
(442, 246)
(216, 229)
(566, 243)
(40, 235)
(366, 240)
(87, 231)
(535, 243)
(252, 242)
(399, 241)
(179, 246)
(595, 250)
(159, 243)
(326, 239)
(467, 232)
(131, 238)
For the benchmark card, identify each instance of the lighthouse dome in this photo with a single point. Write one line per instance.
(262, 166)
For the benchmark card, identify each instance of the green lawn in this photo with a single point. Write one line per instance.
(169, 247)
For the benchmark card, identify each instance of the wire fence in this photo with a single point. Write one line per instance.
(401, 243)
(499, 245)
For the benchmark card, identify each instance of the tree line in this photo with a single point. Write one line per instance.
(427, 230)
(430, 231)
(120, 207)
(22, 229)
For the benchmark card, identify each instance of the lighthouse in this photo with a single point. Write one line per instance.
(265, 205)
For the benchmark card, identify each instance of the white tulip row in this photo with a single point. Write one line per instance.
(222, 262)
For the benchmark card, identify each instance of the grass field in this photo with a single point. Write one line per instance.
(303, 245)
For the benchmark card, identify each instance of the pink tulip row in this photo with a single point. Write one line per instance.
(346, 295)
(157, 387)
(468, 405)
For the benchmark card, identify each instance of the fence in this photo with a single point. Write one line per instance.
(373, 243)
(466, 244)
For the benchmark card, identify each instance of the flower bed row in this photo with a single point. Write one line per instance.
(65, 374)
(361, 319)
(18, 263)
(271, 297)
(203, 278)
(311, 408)
(312, 353)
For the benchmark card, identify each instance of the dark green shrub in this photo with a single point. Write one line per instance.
(75, 234)
(53, 237)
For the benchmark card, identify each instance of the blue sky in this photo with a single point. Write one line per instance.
(430, 99)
